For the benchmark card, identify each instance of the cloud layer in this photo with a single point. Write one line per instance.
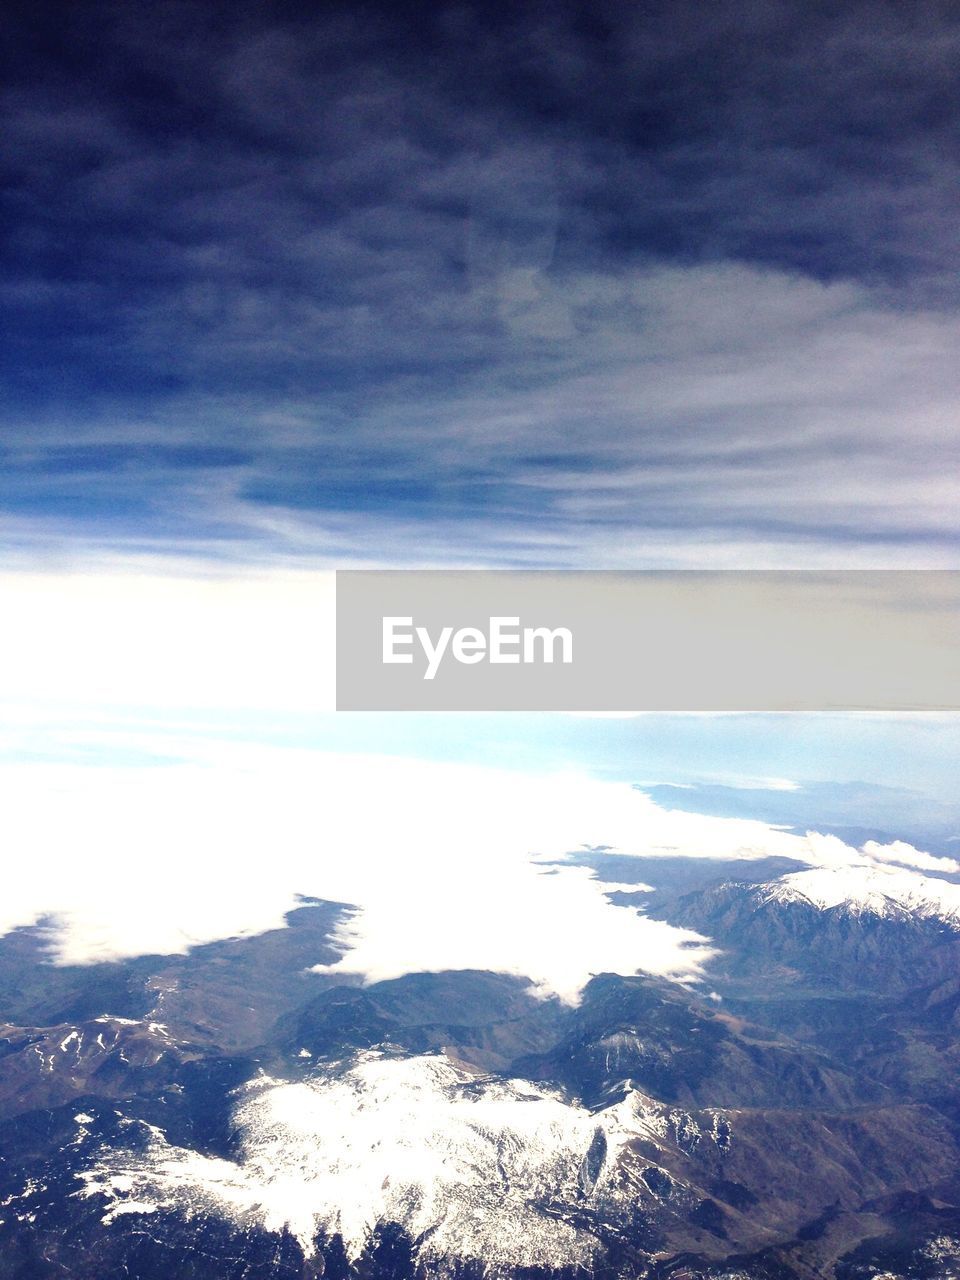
(440, 866)
(504, 285)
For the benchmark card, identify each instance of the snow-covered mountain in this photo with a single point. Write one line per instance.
(869, 888)
(500, 1171)
(249, 1109)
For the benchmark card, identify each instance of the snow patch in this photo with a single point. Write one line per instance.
(463, 1162)
(869, 889)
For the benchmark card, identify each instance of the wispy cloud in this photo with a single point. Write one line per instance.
(737, 415)
(317, 286)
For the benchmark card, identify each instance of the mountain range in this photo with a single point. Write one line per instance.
(245, 1110)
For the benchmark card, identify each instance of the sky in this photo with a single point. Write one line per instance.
(545, 284)
(291, 287)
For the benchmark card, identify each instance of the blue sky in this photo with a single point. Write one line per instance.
(564, 284)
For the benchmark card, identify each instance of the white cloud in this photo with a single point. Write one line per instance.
(449, 866)
(906, 855)
(702, 416)
(114, 633)
(445, 864)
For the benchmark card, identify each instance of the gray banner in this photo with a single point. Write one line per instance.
(480, 640)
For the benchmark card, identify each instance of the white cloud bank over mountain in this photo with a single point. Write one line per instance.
(443, 866)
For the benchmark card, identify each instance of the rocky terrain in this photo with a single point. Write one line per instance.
(245, 1111)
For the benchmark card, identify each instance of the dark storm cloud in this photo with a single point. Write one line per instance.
(572, 274)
